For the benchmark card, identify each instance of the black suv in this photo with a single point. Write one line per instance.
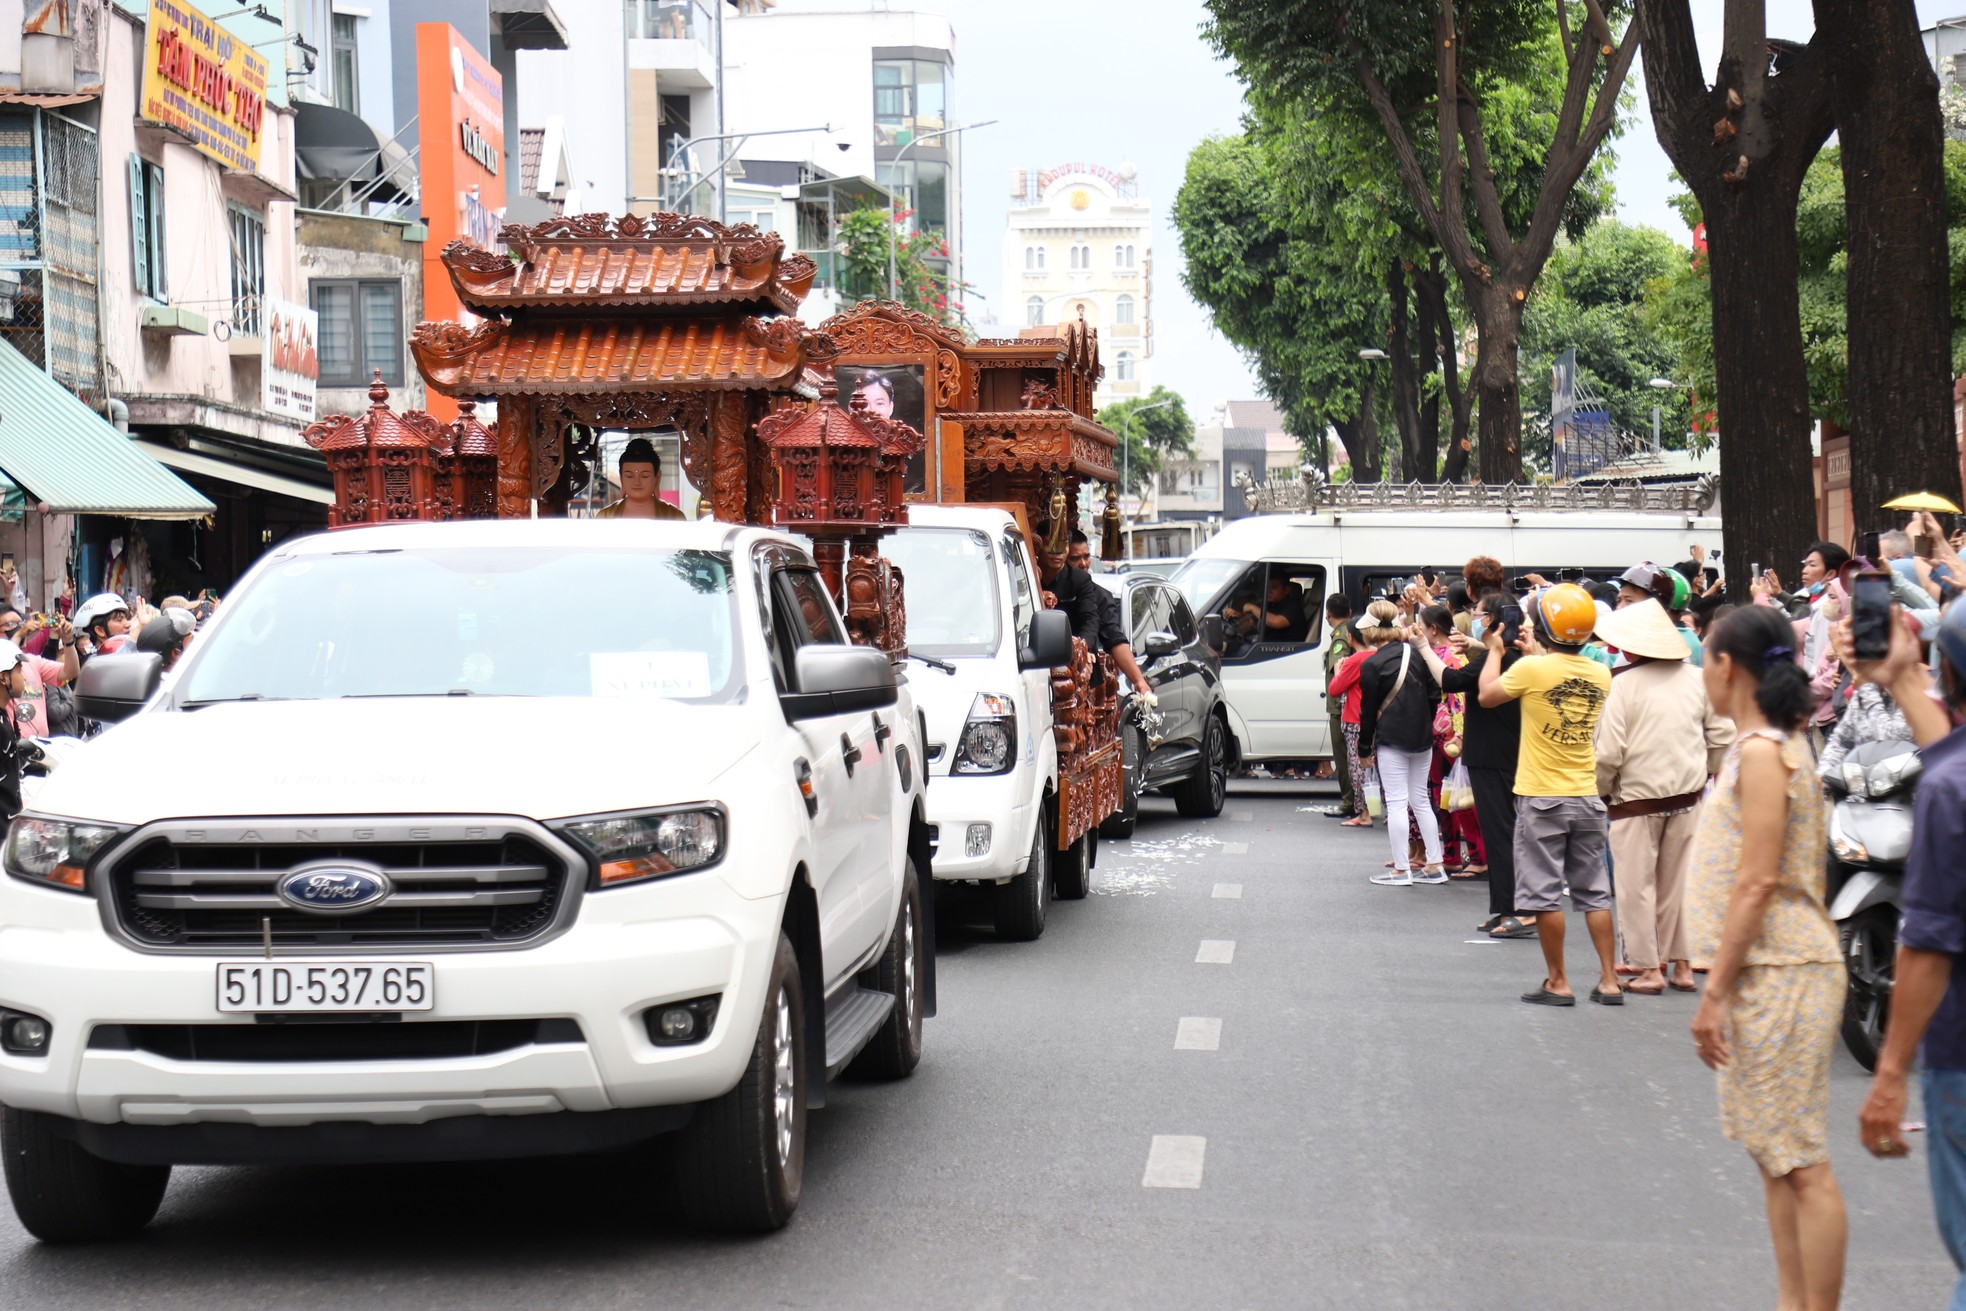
(1190, 761)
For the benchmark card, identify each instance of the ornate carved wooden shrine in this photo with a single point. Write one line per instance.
(389, 466)
(594, 322)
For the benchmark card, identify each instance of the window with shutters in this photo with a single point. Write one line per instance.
(147, 227)
(247, 232)
(1123, 310)
(1034, 311)
(347, 72)
(361, 331)
(1124, 372)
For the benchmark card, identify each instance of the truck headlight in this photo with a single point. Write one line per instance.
(650, 844)
(53, 851)
(989, 740)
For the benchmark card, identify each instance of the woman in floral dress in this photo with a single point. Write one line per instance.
(1768, 1020)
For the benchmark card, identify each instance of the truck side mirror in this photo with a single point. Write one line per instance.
(1161, 644)
(836, 679)
(112, 688)
(1051, 641)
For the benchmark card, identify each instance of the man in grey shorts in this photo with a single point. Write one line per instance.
(1560, 826)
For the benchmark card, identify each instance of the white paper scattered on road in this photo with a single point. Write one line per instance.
(1197, 1033)
(1174, 1161)
(1228, 891)
(1216, 951)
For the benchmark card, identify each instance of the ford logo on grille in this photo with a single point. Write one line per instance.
(333, 889)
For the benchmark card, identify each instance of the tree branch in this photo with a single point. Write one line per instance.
(1488, 201)
(1675, 88)
(1596, 24)
(1447, 227)
(1564, 174)
(1563, 26)
(1447, 95)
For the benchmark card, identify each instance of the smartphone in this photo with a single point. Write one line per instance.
(1511, 624)
(1867, 546)
(1870, 614)
(1754, 570)
(6, 561)
(1922, 545)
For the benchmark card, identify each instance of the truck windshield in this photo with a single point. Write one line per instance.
(472, 621)
(951, 590)
(1201, 581)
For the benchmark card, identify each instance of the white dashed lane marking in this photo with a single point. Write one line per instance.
(1235, 848)
(1228, 891)
(1216, 951)
(1174, 1161)
(1196, 1033)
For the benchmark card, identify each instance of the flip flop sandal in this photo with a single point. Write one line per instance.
(1677, 986)
(1488, 924)
(1462, 873)
(1473, 871)
(1544, 997)
(1634, 988)
(1607, 998)
(1356, 822)
(1512, 928)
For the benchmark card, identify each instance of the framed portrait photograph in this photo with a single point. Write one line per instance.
(892, 391)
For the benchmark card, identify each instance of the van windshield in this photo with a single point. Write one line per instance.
(950, 584)
(458, 621)
(1201, 581)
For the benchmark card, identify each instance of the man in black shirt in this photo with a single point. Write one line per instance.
(1076, 593)
(1490, 738)
(1112, 633)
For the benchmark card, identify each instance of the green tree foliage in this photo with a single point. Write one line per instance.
(1478, 104)
(1678, 306)
(1593, 296)
(861, 242)
(1153, 428)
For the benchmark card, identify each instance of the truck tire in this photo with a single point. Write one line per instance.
(1022, 902)
(1071, 869)
(1870, 946)
(896, 1047)
(1121, 823)
(1201, 797)
(62, 1194)
(741, 1161)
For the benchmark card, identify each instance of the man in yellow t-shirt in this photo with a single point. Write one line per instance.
(1560, 828)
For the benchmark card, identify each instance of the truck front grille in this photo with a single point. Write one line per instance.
(498, 891)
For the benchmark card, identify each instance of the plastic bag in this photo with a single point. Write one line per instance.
(1375, 797)
(1457, 789)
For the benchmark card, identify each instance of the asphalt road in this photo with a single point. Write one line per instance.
(1369, 1116)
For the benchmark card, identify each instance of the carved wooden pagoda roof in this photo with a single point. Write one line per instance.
(541, 356)
(1047, 440)
(598, 261)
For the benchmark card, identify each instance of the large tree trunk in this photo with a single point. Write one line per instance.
(1361, 438)
(1899, 297)
(1743, 146)
(1768, 491)
(1406, 383)
(1432, 288)
(1497, 383)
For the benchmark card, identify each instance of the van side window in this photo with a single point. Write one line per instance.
(1274, 609)
(1023, 595)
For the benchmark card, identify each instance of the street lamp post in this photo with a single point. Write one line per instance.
(1659, 384)
(1126, 451)
(682, 147)
(901, 154)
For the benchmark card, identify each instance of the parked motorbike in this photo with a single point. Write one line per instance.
(1869, 838)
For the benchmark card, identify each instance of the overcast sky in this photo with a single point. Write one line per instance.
(1114, 81)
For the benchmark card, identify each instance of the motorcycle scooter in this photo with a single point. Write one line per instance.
(1869, 839)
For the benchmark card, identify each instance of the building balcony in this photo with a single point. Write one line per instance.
(675, 39)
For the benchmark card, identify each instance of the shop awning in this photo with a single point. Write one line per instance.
(208, 466)
(66, 456)
(331, 143)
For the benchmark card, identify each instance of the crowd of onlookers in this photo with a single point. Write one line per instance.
(42, 654)
(1653, 751)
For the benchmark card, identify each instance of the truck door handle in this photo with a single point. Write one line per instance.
(850, 753)
(881, 731)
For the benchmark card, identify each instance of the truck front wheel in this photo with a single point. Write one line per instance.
(896, 1048)
(62, 1194)
(741, 1161)
(1022, 902)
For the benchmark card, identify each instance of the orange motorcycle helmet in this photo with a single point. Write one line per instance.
(1565, 614)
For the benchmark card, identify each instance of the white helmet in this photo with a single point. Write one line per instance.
(10, 656)
(97, 607)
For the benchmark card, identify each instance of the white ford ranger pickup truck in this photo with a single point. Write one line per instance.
(464, 841)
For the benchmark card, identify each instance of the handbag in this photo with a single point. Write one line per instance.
(1457, 789)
